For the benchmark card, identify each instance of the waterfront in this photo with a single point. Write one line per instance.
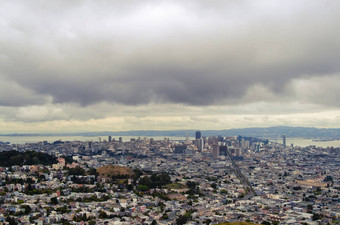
(34, 139)
(51, 139)
(307, 142)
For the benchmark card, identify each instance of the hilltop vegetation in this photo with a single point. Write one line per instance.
(15, 158)
(156, 180)
(176, 186)
(147, 180)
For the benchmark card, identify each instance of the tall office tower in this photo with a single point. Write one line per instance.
(243, 144)
(216, 151)
(223, 150)
(110, 138)
(120, 139)
(201, 144)
(198, 134)
(220, 138)
(284, 140)
(247, 144)
(99, 139)
(239, 138)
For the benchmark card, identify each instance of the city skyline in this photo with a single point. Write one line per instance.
(168, 65)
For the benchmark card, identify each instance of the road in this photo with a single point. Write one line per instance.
(244, 181)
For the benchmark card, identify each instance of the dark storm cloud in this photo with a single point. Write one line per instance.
(89, 52)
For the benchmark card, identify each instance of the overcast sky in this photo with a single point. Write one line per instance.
(100, 65)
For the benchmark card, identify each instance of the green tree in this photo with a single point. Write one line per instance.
(102, 215)
(145, 181)
(54, 201)
(316, 216)
(309, 208)
(92, 222)
(27, 209)
(213, 185)
(11, 220)
(137, 172)
(328, 178)
(76, 171)
(191, 184)
(182, 220)
(266, 223)
(207, 221)
(164, 217)
(64, 221)
(93, 171)
(143, 188)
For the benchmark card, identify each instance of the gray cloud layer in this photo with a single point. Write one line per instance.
(193, 53)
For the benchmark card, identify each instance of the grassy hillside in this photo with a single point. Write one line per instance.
(115, 171)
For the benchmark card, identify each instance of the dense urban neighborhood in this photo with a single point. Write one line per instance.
(208, 180)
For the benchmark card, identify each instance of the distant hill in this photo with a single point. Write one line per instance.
(274, 132)
(15, 158)
(260, 132)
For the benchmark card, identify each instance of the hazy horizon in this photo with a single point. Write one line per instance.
(89, 66)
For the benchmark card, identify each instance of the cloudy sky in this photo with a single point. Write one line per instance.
(70, 65)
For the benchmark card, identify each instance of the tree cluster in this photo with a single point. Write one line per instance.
(76, 171)
(156, 180)
(13, 158)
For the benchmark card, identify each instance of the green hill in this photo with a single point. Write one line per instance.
(15, 158)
